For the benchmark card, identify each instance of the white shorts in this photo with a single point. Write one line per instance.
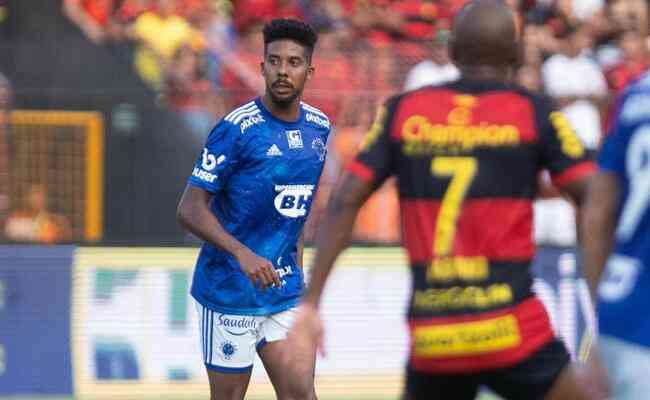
(627, 366)
(229, 342)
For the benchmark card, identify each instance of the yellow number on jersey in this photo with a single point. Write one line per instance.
(462, 171)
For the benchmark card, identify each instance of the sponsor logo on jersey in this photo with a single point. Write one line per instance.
(284, 271)
(230, 323)
(461, 132)
(293, 200)
(236, 322)
(317, 120)
(250, 121)
(294, 138)
(273, 151)
(467, 338)
(318, 145)
(204, 175)
(209, 161)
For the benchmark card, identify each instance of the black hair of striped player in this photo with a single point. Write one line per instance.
(292, 29)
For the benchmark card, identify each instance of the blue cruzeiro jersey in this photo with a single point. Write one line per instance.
(263, 173)
(624, 294)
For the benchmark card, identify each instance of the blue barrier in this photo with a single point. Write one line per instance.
(35, 293)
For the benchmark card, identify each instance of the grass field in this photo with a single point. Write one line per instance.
(481, 397)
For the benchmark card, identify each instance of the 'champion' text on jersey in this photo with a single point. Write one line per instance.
(263, 173)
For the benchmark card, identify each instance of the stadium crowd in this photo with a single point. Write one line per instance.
(202, 58)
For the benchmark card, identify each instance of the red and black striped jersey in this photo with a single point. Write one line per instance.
(466, 156)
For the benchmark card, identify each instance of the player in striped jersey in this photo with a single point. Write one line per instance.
(248, 198)
(466, 156)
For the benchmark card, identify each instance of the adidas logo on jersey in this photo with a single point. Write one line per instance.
(273, 151)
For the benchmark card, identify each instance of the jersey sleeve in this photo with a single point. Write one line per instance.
(375, 159)
(218, 159)
(562, 152)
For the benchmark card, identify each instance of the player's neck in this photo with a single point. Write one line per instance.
(485, 73)
(289, 112)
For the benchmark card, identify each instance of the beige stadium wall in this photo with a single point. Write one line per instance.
(118, 323)
(366, 334)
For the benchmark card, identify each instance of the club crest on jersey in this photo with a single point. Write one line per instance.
(293, 200)
(228, 349)
(295, 139)
(318, 145)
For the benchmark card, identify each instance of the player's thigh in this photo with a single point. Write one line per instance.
(536, 377)
(423, 386)
(228, 349)
(627, 367)
(228, 386)
(295, 381)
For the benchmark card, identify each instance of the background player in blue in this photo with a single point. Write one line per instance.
(616, 244)
(248, 198)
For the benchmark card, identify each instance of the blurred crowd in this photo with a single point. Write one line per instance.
(202, 58)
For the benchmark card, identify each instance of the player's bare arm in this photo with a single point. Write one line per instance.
(599, 222)
(341, 213)
(577, 190)
(331, 240)
(301, 249)
(194, 214)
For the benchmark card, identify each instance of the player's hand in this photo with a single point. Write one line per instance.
(306, 333)
(258, 269)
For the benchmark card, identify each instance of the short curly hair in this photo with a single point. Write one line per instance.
(287, 28)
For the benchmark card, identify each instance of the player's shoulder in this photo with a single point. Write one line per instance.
(634, 102)
(462, 86)
(540, 101)
(314, 116)
(243, 117)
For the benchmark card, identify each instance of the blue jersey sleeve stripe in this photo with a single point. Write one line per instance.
(234, 116)
(235, 112)
(235, 119)
(239, 109)
(246, 114)
(313, 109)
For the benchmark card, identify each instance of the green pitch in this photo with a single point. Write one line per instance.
(481, 397)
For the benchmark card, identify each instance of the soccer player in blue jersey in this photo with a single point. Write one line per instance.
(248, 198)
(616, 245)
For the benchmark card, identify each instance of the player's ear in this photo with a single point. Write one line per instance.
(310, 71)
(262, 68)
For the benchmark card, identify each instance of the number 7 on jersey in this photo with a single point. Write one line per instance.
(462, 171)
